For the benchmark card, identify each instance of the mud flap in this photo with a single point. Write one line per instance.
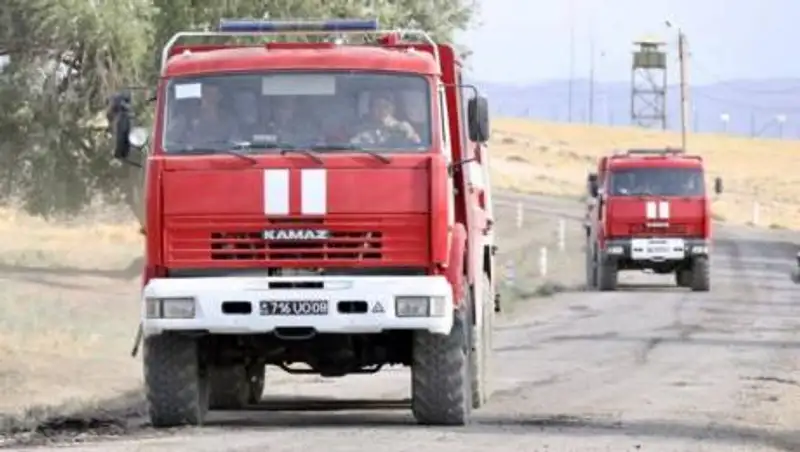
(137, 341)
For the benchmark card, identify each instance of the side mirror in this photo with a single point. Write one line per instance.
(718, 185)
(138, 137)
(478, 119)
(591, 185)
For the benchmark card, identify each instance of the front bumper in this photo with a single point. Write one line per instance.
(657, 249)
(196, 304)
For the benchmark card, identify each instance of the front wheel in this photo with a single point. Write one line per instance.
(441, 389)
(608, 273)
(176, 385)
(701, 274)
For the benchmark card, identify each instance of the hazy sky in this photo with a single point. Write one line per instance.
(529, 40)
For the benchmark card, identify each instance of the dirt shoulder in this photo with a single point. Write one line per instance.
(69, 312)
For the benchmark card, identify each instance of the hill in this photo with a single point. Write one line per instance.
(752, 105)
(554, 158)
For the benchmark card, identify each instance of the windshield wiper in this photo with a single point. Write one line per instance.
(350, 147)
(288, 150)
(229, 148)
(285, 148)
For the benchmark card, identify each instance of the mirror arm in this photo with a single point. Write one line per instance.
(451, 168)
(131, 162)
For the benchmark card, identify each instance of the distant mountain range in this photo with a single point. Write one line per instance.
(765, 108)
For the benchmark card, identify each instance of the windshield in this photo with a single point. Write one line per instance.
(657, 182)
(350, 110)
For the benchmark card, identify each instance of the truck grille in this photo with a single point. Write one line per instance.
(669, 229)
(360, 245)
(197, 242)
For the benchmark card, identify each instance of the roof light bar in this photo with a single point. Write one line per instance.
(262, 26)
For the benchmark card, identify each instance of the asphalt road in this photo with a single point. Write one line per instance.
(650, 367)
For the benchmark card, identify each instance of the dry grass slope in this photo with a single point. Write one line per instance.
(67, 310)
(554, 158)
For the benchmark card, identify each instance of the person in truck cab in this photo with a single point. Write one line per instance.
(207, 124)
(247, 116)
(382, 127)
(289, 123)
(624, 184)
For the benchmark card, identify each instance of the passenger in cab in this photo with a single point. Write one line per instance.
(289, 124)
(382, 127)
(206, 125)
(248, 124)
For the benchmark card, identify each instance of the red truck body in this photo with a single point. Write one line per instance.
(339, 257)
(650, 211)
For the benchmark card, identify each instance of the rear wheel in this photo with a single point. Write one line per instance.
(256, 373)
(482, 349)
(683, 277)
(230, 387)
(591, 266)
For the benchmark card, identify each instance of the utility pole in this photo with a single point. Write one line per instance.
(684, 88)
(591, 81)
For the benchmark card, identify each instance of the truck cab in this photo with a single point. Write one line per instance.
(317, 206)
(649, 210)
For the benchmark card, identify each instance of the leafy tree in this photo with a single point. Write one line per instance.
(67, 56)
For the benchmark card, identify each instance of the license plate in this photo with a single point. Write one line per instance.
(658, 249)
(293, 307)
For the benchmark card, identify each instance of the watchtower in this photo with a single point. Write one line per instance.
(649, 84)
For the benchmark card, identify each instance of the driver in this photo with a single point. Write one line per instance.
(208, 124)
(382, 127)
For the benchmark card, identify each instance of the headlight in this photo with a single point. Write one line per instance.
(699, 249)
(412, 306)
(615, 249)
(170, 308)
(419, 306)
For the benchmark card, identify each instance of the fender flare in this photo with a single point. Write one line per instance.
(454, 273)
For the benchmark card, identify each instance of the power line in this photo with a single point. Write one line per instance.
(721, 81)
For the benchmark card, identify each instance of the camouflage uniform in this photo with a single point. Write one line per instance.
(391, 133)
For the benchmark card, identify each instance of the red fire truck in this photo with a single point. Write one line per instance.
(318, 204)
(649, 211)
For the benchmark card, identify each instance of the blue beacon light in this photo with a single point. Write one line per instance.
(260, 26)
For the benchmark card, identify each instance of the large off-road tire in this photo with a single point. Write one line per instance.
(608, 273)
(441, 390)
(683, 277)
(701, 274)
(256, 372)
(482, 349)
(591, 266)
(176, 385)
(230, 387)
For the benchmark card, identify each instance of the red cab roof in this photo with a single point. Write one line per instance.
(243, 59)
(656, 162)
